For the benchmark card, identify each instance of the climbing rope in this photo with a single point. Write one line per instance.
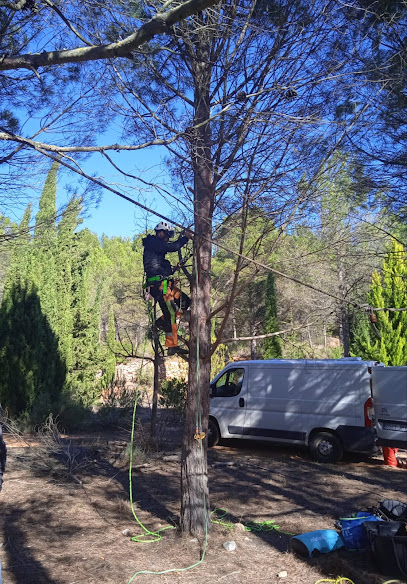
(343, 580)
(268, 525)
(220, 514)
(199, 435)
(148, 536)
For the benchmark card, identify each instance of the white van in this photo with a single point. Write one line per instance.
(325, 404)
(390, 405)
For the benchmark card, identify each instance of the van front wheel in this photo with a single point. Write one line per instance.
(325, 447)
(213, 433)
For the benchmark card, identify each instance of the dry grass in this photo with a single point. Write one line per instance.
(61, 532)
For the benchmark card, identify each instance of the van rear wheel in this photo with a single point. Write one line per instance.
(325, 447)
(213, 433)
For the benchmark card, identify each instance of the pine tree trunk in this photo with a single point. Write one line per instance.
(194, 479)
(156, 387)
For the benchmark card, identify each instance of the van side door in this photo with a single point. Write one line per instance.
(274, 407)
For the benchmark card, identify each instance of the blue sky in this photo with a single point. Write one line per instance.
(114, 216)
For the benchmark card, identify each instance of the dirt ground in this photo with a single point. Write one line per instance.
(64, 529)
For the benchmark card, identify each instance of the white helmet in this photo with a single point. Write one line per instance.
(164, 226)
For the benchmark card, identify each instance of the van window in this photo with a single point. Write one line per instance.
(229, 384)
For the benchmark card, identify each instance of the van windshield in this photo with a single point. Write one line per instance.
(229, 384)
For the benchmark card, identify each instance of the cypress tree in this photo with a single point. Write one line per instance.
(45, 220)
(67, 259)
(43, 252)
(20, 266)
(32, 370)
(31, 367)
(51, 313)
(386, 339)
(86, 374)
(272, 345)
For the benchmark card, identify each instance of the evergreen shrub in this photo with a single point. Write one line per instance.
(173, 394)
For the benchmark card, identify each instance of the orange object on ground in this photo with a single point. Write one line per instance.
(389, 455)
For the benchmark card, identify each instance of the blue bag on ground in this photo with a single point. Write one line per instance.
(321, 541)
(352, 532)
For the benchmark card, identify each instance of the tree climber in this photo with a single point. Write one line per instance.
(160, 285)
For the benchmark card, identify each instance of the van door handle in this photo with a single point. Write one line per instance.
(241, 402)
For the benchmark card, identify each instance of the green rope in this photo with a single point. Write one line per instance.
(198, 368)
(338, 580)
(155, 535)
(220, 514)
(269, 525)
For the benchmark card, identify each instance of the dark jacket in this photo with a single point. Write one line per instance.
(155, 249)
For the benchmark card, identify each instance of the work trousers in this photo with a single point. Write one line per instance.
(170, 303)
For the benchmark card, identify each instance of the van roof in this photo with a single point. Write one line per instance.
(344, 362)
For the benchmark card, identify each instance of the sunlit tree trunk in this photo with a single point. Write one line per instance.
(194, 478)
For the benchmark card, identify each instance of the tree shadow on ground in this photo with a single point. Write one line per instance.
(21, 561)
(152, 501)
(266, 483)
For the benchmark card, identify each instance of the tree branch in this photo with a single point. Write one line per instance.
(15, 6)
(157, 25)
(66, 21)
(266, 335)
(5, 135)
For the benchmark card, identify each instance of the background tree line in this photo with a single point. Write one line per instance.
(72, 304)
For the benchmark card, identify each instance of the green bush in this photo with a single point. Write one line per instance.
(335, 353)
(173, 394)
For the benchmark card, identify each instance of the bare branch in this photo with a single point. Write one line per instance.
(266, 336)
(159, 24)
(15, 6)
(5, 135)
(68, 24)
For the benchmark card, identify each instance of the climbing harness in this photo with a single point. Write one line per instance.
(171, 295)
(163, 279)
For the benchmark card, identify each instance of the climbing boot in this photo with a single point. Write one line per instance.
(176, 351)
